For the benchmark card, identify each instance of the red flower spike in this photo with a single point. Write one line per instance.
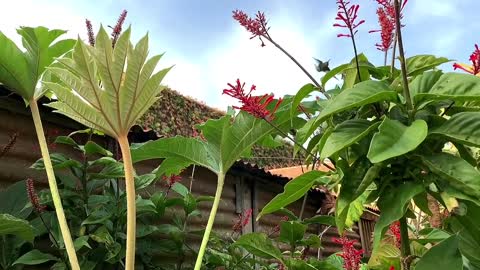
(351, 256)
(392, 267)
(257, 27)
(172, 179)
(475, 59)
(386, 18)
(347, 17)
(33, 197)
(395, 230)
(254, 105)
(91, 35)
(242, 221)
(117, 30)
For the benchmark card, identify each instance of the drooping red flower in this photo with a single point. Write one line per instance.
(351, 256)
(91, 35)
(254, 105)
(117, 30)
(392, 267)
(242, 220)
(33, 197)
(386, 18)
(347, 16)
(395, 230)
(257, 27)
(474, 69)
(172, 179)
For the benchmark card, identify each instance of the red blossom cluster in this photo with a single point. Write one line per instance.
(91, 35)
(386, 18)
(351, 256)
(256, 26)
(33, 197)
(347, 15)
(475, 59)
(254, 105)
(117, 30)
(172, 179)
(395, 230)
(242, 220)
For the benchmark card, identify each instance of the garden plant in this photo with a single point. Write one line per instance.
(403, 136)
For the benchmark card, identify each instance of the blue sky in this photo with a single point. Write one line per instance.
(209, 49)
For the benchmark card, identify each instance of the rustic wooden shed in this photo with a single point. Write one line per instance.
(248, 184)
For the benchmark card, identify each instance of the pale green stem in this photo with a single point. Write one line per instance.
(211, 219)
(62, 221)
(131, 207)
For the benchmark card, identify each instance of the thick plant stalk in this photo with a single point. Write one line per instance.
(62, 221)
(131, 207)
(211, 219)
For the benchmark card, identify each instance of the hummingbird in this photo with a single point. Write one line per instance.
(322, 66)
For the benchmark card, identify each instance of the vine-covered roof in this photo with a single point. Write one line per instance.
(174, 114)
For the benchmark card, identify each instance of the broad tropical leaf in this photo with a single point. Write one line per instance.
(462, 127)
(363, 93)
(16, 226)
(455, 172)
(421, 63)
(346, 134)
(259, 245)
(423, 83)
(393, 204)
(20, 70)
(14, 200)
(293, 191)
(394, 139)
(445, 255)
(301, 94)
(107, 88)
(35, 257)
(452, 86)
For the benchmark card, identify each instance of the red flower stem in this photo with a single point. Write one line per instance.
(352, 36)
(405, 248)
(267, 36)
(297, 144)
(401, 52)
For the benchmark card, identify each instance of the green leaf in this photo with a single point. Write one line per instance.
(455, 172)
(445, 255)
(121, 98)
(291, 232)
(320, 219)
(59, 161)
(66, 140)
(452, 86)
(92, 148)
(180, 189)
(423, 83)
(361, 94)
(14, 200)
(144, 181)
(394, 139)
(259, 245)
(346, 134)
(35, 257)
(462, 127)
(15, 226)
(189, 204)
(80, 242)
(431, 235)
(301, 94)
(293, 191)
(97, 217)
(393, 204)
(332, 73)
(420, 63)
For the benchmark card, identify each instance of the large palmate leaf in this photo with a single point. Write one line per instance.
(452, 86)
(455, 172)
(107, 88)
(20, 70)
(445, 255)
(421, 63)
(363, 93)
(346, 134)
(394, 139)
(462, 127)
(293, 191)
(226, 141)
(393, 204)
